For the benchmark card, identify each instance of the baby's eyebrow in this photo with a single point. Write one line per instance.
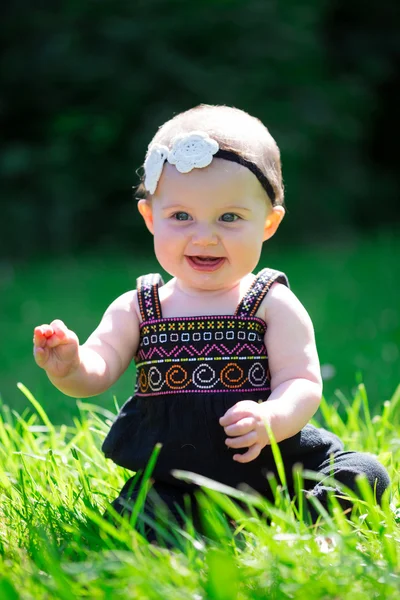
(236, 208)
(173, 208)
(221, 209)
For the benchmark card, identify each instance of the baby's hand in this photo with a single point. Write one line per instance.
(56, 349)
(246, 421)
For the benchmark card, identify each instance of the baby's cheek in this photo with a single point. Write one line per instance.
(166, 246)
(172, 262)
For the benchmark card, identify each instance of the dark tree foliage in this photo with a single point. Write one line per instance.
(85, 84)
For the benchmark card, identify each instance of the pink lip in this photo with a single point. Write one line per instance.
(205, 267)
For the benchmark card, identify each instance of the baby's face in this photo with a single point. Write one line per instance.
(209, 225)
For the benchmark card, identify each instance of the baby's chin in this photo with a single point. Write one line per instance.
(203, 282)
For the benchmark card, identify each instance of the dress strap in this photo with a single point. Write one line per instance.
(252, 299)
(149, 301)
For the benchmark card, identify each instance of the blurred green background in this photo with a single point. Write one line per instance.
(83, 88)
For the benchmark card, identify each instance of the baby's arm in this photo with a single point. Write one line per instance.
(296, 383)
(89, 369)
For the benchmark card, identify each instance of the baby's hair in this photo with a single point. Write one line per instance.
(234, 130)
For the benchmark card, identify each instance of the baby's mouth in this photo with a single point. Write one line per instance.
(205, 263)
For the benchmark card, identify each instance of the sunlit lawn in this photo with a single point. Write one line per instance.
(54, 542)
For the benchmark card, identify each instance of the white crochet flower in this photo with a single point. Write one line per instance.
(192, 150)
(153, 166)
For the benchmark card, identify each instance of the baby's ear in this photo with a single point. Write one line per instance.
(146, 210)
(272, 221)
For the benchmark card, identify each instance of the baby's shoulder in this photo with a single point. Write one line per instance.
(279, 302)
(126, 303)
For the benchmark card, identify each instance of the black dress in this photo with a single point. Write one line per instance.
(190, 371)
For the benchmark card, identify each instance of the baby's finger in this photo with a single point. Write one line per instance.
(62, 335)
(245, 441)
(241, 427)
(233, 415)
(41, 355)
(243, 408)
(248, 456)
(41, 333)
(60, 329)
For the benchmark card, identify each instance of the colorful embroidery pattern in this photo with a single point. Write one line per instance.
(163, 378)
(255, 295)
(202, 354)
(149, 302)
(211, 353)
(197, 329)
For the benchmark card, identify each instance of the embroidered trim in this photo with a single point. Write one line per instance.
(199, 353)
(258, 290)
(200, 391)
(149, 301)
(164, 376)
(202, 323)
(158, 361)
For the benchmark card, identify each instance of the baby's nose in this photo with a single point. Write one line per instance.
(204, 236)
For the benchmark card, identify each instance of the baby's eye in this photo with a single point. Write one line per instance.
(229, 217)
(181, 216)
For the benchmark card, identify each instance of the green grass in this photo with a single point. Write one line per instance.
(55, 484)
(350, 289)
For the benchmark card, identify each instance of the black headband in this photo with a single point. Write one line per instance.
(233, 157)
